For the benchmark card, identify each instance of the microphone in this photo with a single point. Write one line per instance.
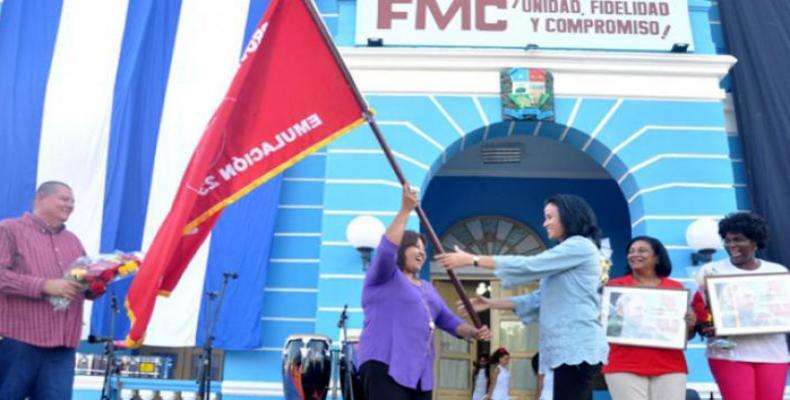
(343, 316)
(230, 275)
(119, 344)
(98, 339)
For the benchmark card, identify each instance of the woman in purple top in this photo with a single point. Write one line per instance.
(402, 313)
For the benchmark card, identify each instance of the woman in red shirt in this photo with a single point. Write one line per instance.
(644, 373)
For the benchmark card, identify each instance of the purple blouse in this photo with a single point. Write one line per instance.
(397, 327)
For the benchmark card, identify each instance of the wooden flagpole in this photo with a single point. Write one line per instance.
(393, 163)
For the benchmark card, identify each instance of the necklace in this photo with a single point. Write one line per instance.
(431, 324)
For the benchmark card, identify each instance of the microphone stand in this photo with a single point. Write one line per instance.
(335, 371)
(341, 323)
(109, 350)
(204, 376)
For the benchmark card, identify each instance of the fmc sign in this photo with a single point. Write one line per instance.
(589, 24)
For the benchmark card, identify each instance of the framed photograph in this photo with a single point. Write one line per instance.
(749, 304)
(646, 317)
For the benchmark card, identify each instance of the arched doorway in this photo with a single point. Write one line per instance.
(488, 198)
(486, 234)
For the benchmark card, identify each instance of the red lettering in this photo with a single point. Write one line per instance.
(442, 20)
(599, 26)
(480, 15)
(386, 14)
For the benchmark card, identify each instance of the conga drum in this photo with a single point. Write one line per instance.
(349, 371)
(307, 367)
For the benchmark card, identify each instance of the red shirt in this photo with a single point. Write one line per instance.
(645, 361)
(31, 253)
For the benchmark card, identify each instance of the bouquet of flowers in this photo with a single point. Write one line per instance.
(701, 308)
(702, 312)
(95, 273)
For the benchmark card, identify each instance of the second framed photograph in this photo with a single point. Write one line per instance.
(750, 304)
(646, 317)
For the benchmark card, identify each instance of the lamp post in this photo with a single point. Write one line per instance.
(364, 233)
(702, 235)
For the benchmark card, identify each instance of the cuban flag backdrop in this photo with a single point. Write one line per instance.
(111, 97)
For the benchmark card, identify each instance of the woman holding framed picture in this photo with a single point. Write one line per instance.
(751, 367)
(646, 373)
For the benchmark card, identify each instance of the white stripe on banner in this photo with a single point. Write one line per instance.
(75, 125)
(205, 58)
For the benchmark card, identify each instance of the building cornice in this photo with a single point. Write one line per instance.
(576, 73)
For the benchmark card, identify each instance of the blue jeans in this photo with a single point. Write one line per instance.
(40, 373)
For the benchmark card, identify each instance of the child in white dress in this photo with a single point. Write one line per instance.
(500, 375)
(481, 378)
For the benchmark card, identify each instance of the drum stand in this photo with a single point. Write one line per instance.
(204, 374)
(111, 369)
(341, 323)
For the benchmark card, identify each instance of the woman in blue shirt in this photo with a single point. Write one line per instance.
(572, 341)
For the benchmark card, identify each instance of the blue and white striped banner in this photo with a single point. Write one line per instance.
(111, 98)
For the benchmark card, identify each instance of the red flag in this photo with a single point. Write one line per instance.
(289, 97)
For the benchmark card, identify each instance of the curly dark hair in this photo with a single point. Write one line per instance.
(409, 239)
(664, 265)
(747, 223)
(576, 216)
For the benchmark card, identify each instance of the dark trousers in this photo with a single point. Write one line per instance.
(574, 382)
(38, 372)
(379, 385)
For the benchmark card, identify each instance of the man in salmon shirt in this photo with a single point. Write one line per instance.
(38, 345)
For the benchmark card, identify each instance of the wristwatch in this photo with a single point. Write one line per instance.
(476, 261)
